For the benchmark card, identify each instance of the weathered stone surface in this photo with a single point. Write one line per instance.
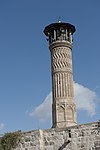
(81, 137)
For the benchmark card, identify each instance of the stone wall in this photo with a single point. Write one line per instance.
(80, 137)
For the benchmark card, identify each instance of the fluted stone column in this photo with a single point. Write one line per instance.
(60, 45)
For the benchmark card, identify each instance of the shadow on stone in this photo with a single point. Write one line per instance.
(64, 145)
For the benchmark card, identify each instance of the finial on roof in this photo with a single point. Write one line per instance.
(59, 21)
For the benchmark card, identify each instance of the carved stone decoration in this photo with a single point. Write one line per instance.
(61, 59)
(61, 114)
(60, 45)
(70, 113)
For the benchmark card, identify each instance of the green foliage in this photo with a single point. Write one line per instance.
(10, 140)
(0, 145)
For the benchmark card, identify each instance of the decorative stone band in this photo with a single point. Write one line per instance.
(60, 44)
(61, 59)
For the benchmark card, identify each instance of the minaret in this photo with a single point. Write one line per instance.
(60, 45)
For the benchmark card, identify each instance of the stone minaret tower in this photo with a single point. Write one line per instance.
(60, 45)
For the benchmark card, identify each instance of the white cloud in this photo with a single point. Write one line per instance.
(43, 111)
(1, 126)
(84, 98)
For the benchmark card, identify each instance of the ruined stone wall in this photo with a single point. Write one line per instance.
(80, 137)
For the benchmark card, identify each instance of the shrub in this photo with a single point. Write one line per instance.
(10, 140)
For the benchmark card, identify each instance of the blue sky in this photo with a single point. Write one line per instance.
(25, 73)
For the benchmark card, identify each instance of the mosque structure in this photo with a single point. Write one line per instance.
(60, 45)
(65, 134)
